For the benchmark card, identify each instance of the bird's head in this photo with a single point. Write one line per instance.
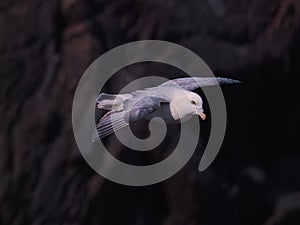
(194, 104)
(185, 104)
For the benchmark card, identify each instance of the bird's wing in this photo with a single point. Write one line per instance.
(116, 120)
(192, 83)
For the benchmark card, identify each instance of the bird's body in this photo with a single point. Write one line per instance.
(170, 110)
(173, 101)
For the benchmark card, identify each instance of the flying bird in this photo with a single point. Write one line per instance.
(173, 101)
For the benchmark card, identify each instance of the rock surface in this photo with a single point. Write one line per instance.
(45, 46)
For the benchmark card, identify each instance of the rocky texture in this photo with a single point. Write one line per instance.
(45, 46)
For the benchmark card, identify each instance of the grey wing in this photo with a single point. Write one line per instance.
(192, 83)
(116, 120)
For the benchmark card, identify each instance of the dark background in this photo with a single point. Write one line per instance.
(45, 46)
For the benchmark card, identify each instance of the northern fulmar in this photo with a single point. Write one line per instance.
(172, 101)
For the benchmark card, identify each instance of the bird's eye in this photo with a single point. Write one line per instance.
(193, 102)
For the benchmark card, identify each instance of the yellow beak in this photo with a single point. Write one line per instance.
(202, 115)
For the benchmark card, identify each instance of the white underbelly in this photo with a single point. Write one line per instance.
(169, 115)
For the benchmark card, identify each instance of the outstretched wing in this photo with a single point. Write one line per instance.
(116, 120)
(192, 83)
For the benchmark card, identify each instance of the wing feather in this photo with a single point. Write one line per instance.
(192, 83)
(115, 120)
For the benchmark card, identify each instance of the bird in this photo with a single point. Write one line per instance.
(174, 101)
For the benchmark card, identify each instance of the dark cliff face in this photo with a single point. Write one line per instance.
(45, 46)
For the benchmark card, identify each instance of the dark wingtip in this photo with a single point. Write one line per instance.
(223, 80)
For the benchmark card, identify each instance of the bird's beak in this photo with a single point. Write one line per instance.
(201, 114)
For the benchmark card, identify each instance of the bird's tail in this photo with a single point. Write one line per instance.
(111, 101)
(107, 101)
